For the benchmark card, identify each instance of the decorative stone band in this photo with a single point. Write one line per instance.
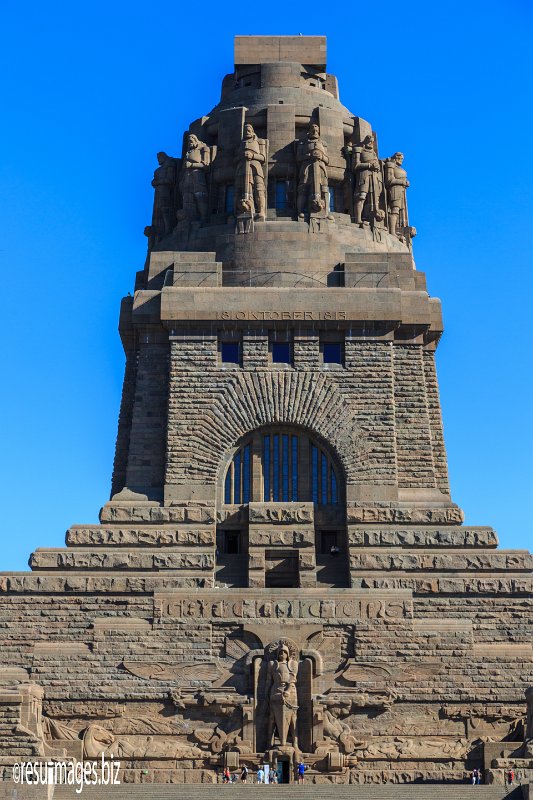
(157, 515)
(286, 604)
(280, 514)
(120, 559)
(283, 304)
(515, 561)
(140, 537)
(416, 516)
(422, 537)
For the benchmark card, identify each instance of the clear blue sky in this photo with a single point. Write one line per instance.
(91, 91)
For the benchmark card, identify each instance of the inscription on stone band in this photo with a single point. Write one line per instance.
(273, 315)
(381, 606)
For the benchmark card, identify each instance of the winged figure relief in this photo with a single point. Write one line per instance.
(205, 672)
(373, 672)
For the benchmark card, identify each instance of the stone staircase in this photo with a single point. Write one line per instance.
(421, 791)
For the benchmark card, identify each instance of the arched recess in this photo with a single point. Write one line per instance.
(243, 401)
(283, 464)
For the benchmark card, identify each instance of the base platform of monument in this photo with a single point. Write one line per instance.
(425, 791)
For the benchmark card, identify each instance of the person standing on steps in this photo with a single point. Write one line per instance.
(260, 775)
(244, 774)
(301, 772)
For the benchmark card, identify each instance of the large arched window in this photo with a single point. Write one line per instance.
(294, 467)
(238, 483)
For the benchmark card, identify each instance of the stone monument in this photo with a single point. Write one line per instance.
(281, 573)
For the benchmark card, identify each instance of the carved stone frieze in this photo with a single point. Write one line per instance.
(422, 537)
(121, 559)
(417, 748)
(157, 515)
(259, 537)
(344, 606)
(134, 537)
(274, 513)
(420, 516)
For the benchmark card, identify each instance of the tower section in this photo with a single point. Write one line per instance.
(280, 341)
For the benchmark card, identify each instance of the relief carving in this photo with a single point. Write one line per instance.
(99, 742)
(416, 748)
(363, 671)
(284, 515)
(206, 671)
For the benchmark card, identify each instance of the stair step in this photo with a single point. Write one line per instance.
(328, 791)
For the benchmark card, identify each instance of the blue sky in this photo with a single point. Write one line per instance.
(90, 93)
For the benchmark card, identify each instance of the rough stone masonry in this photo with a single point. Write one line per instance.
(280, 575)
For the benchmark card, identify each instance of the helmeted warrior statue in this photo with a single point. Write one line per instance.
(193, 184)
(282, 696)
(396, 183)
(163, 182)
(312, 158)
(250, 194)
(368, 180)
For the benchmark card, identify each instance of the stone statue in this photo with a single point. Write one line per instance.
(250, 193)
(396, 183)
(163, 183)
(368, 180)
(312, 158)
(282, 673)
(193, 185)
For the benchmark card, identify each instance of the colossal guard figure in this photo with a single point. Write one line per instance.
(312, 158)
(368, 180)
(396, 183)
(193, 183)
(250, 194)
(164, 183)
(283, 699)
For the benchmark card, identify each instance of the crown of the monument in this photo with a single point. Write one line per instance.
(279, 157)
